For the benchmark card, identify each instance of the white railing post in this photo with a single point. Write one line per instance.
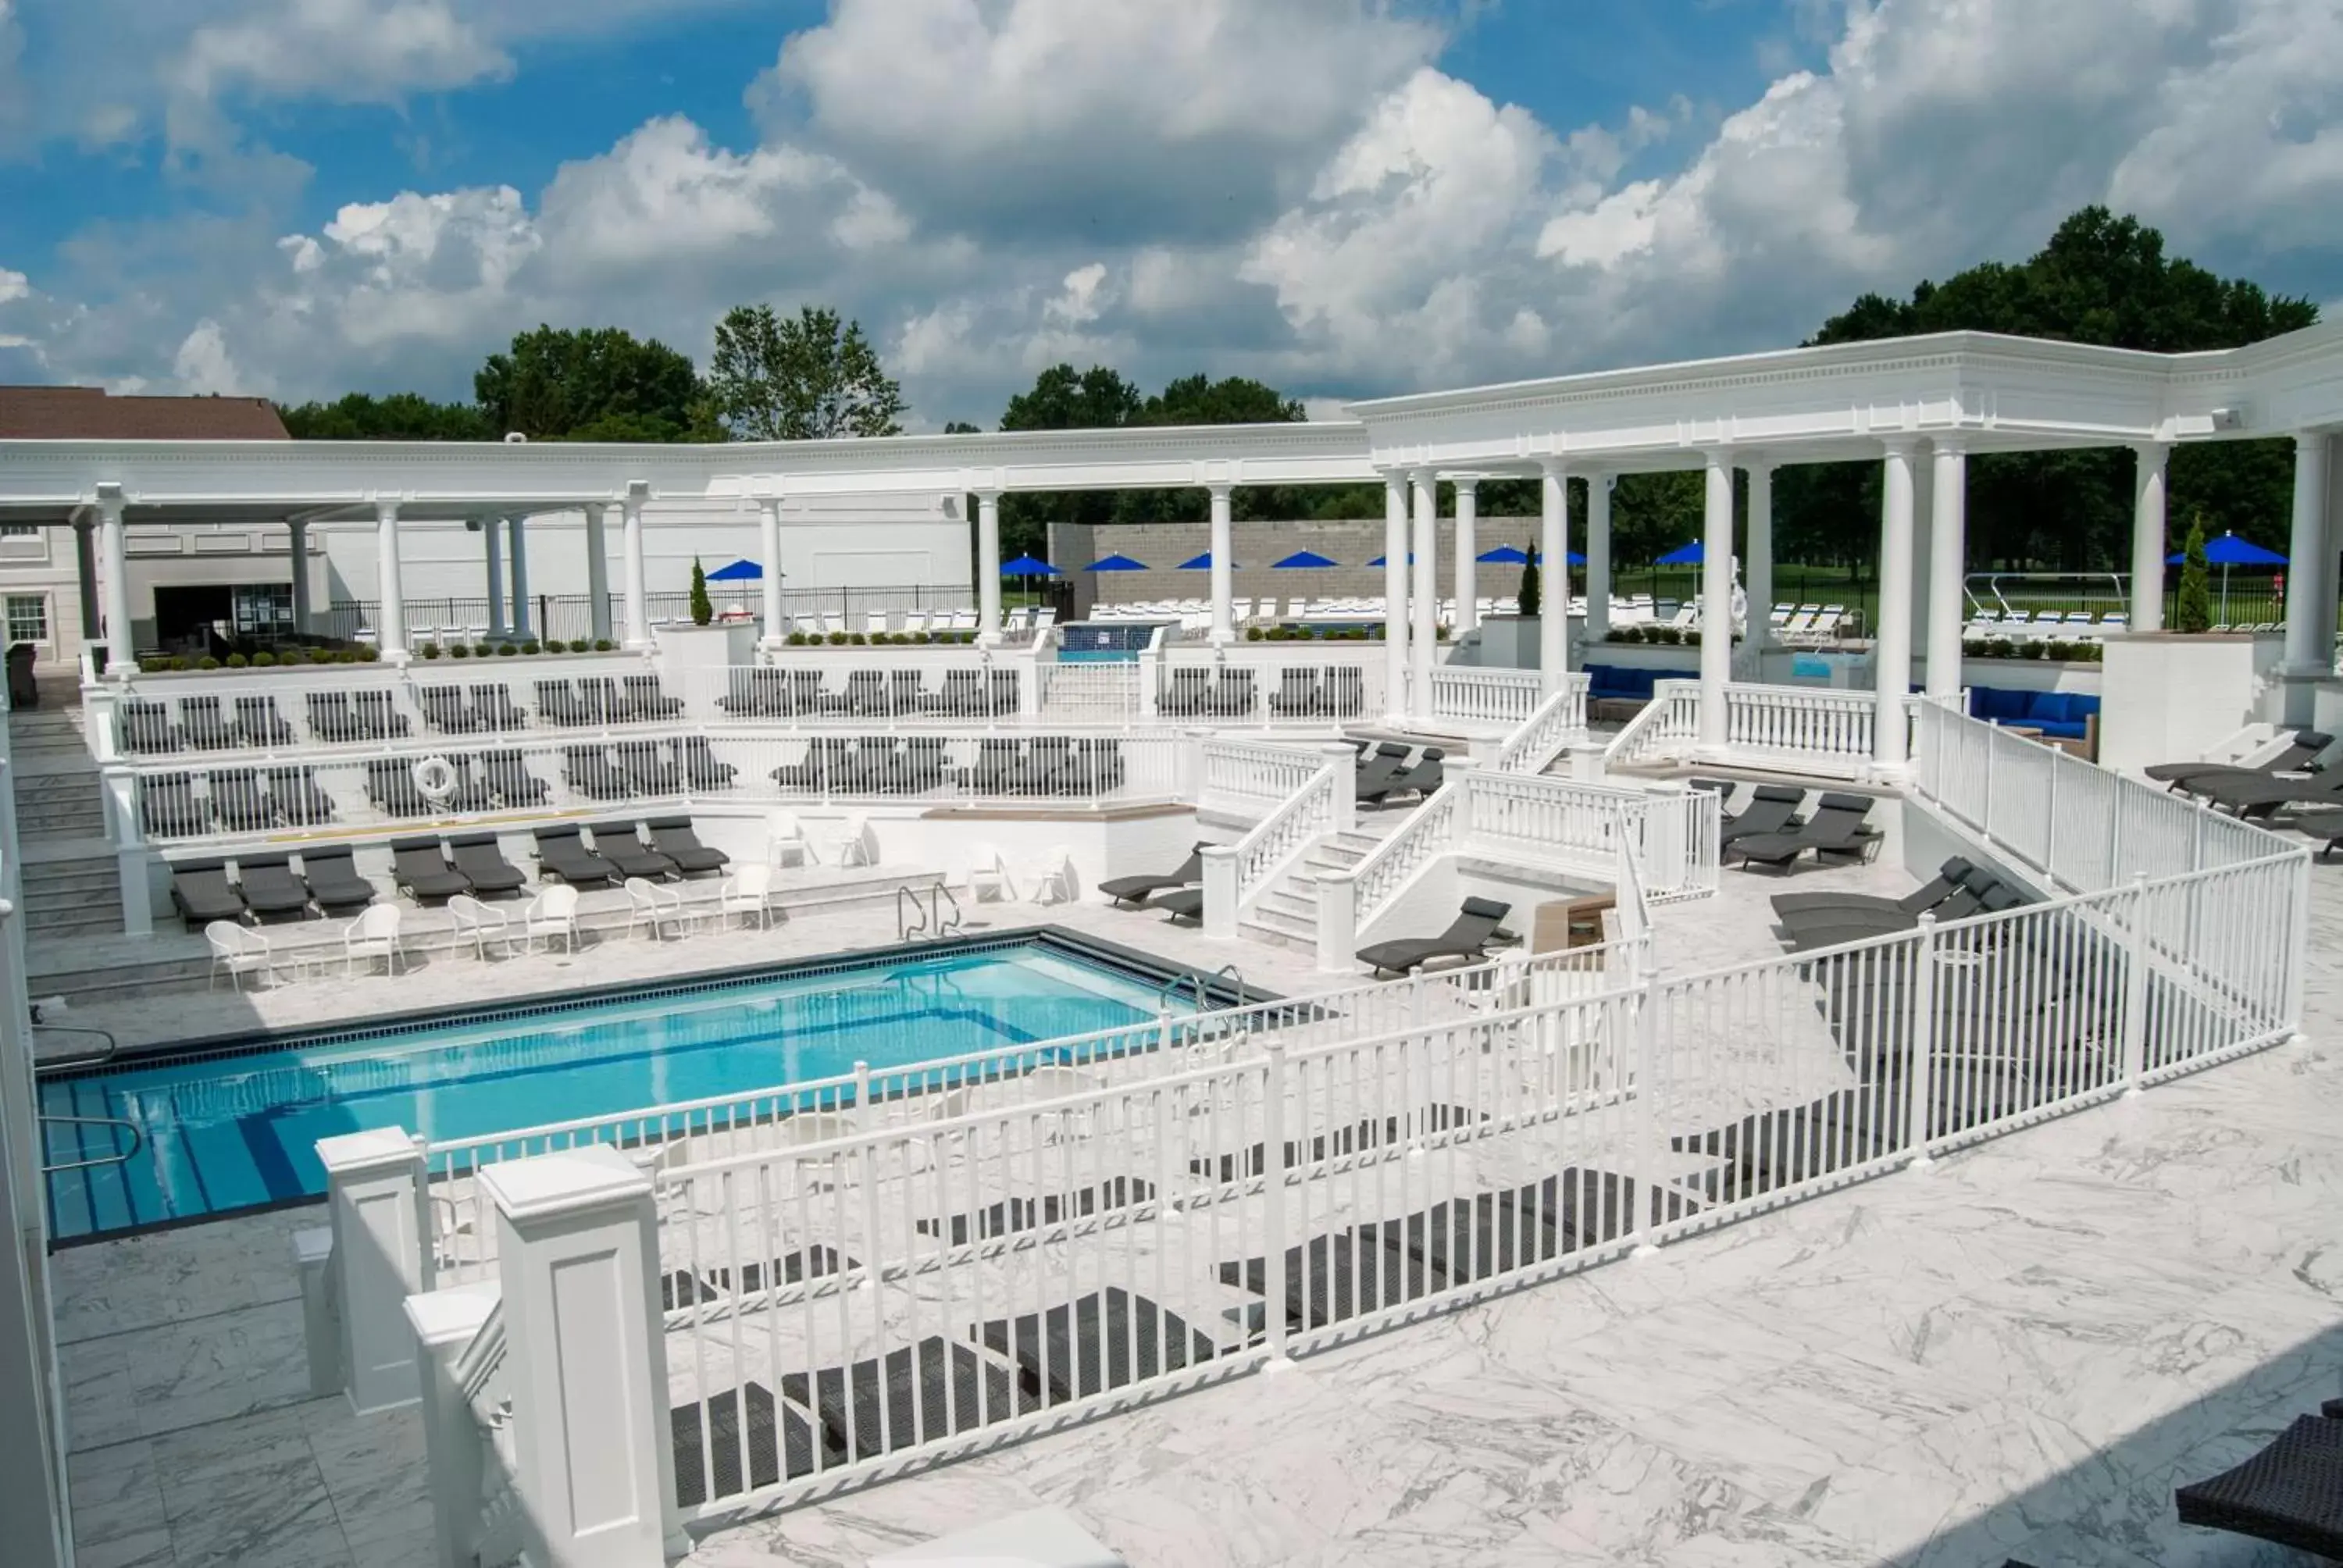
(119, 786)
(1338, 923)
(1645, 1119)
(98, 704)
(445, 1323)
(380, 1215)
(1150, 680)
(1922, 1035)
(1220, 891)
(586, 1358)
(1343, 813)
(1273, 1155)
(321, 1326)
(2134, 1003)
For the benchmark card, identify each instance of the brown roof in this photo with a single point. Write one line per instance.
(89, 413)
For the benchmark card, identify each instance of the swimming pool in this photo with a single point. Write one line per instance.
(235, 1127)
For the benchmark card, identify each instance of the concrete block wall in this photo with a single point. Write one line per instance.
(1353, 542)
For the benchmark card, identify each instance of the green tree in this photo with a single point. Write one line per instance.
(2195, 610)
(594, 382)
(397, 416)
(811, 378)
(1530, 595)
(703, 610)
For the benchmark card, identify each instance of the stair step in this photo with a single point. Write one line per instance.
(42, 897)
(1284, 900)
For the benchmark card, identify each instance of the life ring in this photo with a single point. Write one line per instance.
(436, 777)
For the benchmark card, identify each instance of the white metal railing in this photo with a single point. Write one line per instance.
(1810, 729)
(1669, 721)
(1428, 833)
(1477, 696)
(1068, 1245)
(1230, 688)
(1248, 777)
(1087, 693)
(1280, 839)
(1553, 725)
(2082, 826)
(862, 686)
(192, 801)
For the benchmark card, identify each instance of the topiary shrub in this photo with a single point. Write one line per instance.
(856, 639)
(235, 661)
(368, 655)
(1529, 596)
(532, 647)
(702, 611)
(482, 650)
(506, 650)
(795, 640)
(1691, 640)
(461, 651)
(208, 662)
(837, 639)
(555, 645)
(264, 659)
(2000, 647)
(1667, 635)
(153, 664)
(181, 662)
(603, 645)
(430, 650)
(2194, 609)
(2031, 650)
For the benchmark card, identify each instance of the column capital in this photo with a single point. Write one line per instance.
(1220, 490)
(1720, 455)
(595, 511)
(2155, 452)
(1758, 462)
(1467, 486)
(990, 493)
(1903, 443)
(1555, 466)
(1951, 446)
(386, 508)
(1422, 475)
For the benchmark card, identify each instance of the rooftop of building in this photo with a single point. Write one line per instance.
(93, 413)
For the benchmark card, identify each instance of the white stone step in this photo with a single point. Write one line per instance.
(1286, 898)
(1268, 925)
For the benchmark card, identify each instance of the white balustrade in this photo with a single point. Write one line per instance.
(1479, 696)
(1250, 777)
(1668, 725)
(1275, 845)
(1555, 724)
(1807, 729)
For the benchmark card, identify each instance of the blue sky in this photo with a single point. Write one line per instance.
(1346, 198)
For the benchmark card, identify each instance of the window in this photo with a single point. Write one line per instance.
(263, 609)
(28, 617)
(20, 530)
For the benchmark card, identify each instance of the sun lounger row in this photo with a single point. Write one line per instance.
(772, 693)
(234, 801)
(147, 728)
(630, 769)
(836, 765)
(1829, 918)
(599, 700)
(619, 851)
(431, 867)
(1772, 828)
(261, 887)
(1384, 776)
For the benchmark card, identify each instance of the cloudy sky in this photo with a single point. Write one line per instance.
(1345, 197)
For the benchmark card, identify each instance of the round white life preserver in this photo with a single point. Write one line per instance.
(436, 777)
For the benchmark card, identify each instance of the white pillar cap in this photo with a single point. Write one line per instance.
(381, 1147)
(550, 1185)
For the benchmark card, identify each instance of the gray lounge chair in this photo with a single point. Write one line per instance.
(1794, 909)
(1423, 779)
(621, 844)
(2251, 795)
(269, 887)
(1135, 890)
(674, 838)
(201, 892)
(2287, 1493)
(484, 865)
(1371, 778)
(1477, 921)
(1772, 809)
(1839, 826)
(560, 852)
(420, 866)
(334, 881)
(2299, 754)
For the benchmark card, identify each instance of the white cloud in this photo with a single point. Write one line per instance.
(201, 362)
(14, 285)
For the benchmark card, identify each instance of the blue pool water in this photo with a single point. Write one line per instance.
(224, 1131)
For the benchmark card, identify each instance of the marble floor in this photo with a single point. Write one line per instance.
(2016, 1352)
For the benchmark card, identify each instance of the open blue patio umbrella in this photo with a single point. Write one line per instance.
(2227, 551)
(1381, 559)
(1301, 560)
(1690, 555)
(738, 572)
(1027, 566)
(1507, 555)
(1203, 563)
(1115, 564)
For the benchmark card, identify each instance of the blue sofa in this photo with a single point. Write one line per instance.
(1616, 683)
(2065, 715)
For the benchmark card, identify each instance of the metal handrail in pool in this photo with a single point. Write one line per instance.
(137, 1142)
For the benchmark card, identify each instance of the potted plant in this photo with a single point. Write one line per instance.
(703, 610)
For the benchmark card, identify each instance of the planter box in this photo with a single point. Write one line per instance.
(2166, 697)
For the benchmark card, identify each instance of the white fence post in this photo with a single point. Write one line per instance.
(586, 1358)
(1645, 1119)
(2135, 1006)
(1273, 1154)
(381, 1220)
(1029, 685)
(445, 1323)
(1220, 891)
(1338, 923)
(1922, 1035)
(321, 1326)
(118, 788)
(1342, 816)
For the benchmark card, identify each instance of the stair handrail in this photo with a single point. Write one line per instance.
(904, 930)
(1278, 839)
(1551, 725)
(82, 1058)
(137, 1142)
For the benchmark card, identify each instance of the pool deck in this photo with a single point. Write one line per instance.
(2016, 1353)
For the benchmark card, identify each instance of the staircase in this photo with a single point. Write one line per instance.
(1288, 912)
(71, 886)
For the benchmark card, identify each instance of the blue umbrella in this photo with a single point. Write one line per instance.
(1381, 559)
(1690, 555)
(2230, 550)
(1028, 566)
(1203, 563)
(1301, 560)
(1115, 564)
(1507, 555)
(738, 572)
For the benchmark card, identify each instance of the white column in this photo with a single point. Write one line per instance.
(1423, 592)
(638, 615)
(1757, 568)
(1948, 541)
(597, 573)
(769, 538)
(298, 545)
(1395, 596)
(1715, 598)
(2148, 535)
(2309, 644)
(376, 1200)
(390, 633)
(492, 530)
(1892, 657)
(1468, 545)
(1598, 558)
(988, 567)
(519, 619)
(114, 568)
(1224, 573)
(1923, 513)
(1554, 586)
(585, 1361)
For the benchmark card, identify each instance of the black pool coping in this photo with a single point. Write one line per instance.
(1129, 961)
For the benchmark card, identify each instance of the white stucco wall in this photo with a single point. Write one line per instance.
(2166, 698)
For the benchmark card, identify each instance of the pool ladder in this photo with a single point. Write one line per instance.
(913, 919)
(137, 1141)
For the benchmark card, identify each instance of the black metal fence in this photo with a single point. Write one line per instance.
(569, 616)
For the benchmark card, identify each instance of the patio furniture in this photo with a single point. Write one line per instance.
(238, 951)
(1053, 881)
(2300, 753)
(1839, 826)
(334, 880)
(1423, 779)
(703, 770)
(1135, 890)
(1772, 809)
(674, 837)
(373, 935)
(786, 843)
(482, 861)
(2290, 1493)
(747, 891)
(168, 808)
(269, 887)
(1795, 908)
(988, 874)
(475, 922)
(1467, 937)
(621, 844)
(237, 802)
(297, 797)
(260, 724)
(201, 723)
(201, 892)
(421, 867)
(658, 908)
(1370, 777)
(562, 853)
(552, 913)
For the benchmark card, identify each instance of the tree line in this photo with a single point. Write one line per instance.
(2101, 279)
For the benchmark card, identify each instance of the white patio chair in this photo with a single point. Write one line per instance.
(1045, 617)
(656, 907)
(476, 923)
(855, 849)
(988, 874)
(875, 622)
(239, 952)
(1053, 883)
(915, 622)
(553, 913)
(786, 843)
(747, 891)
(373, 935)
